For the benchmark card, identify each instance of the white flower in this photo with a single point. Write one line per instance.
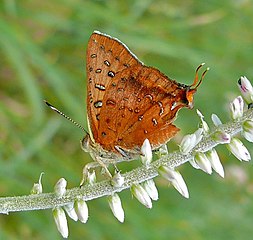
(141, 195)
(216, 120)
(151, 189)
(221, 137)
(247, 128)
(88, 177)
(37, 187)
(214, 159)
(70, 210)
(236, 108)
(81, 209)
(60, 187)
(246, 89)
(190, 141)
(175, 178)
(194, 164)
(91, 178)
(203, 162)
(61, 221)
(116, 207)
(203, 122)
(237, 148)
(117, 179)
(163, 150)
(146, 150)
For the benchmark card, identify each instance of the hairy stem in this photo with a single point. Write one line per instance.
(104, 188)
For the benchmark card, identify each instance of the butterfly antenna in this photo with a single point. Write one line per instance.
(202, 76)
(64, 115)
(196, 81)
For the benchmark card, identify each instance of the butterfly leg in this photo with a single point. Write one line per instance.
(104, 167)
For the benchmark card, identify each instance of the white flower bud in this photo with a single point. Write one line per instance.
(214, 159)
(190, 141)
(69, 208)
(151, 189)
(163, 150)
(91, 178)
(116, 207)
(236, 108)
(37, 187)
(204, 125)
(216, 120)
(117, 179)
(60, 188)
(175, 178)
(141, 195)
(246, 89)
(146, 150)
(61, 221)
(88, 177)
(202, 161)
(82, 211)
(221, 137)
(247, 128)
(237, 148)
(194, 164)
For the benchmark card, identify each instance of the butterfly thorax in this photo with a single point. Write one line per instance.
(107, 157)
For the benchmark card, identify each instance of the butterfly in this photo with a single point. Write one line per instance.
(128, 102)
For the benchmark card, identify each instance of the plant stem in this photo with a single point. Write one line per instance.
(104, 188)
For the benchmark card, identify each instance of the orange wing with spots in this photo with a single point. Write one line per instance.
(106, 57)
(127, 101)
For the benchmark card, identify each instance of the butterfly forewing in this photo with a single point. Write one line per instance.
(105, 58)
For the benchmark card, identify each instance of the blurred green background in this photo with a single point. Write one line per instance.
(42, 46)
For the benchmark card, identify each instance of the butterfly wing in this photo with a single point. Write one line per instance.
(106, 57)
(141, 104)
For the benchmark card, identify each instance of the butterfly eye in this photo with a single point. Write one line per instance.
(189, 96)
(85, 143)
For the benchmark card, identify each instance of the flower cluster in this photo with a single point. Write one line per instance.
(146, 192)
(197, 148)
